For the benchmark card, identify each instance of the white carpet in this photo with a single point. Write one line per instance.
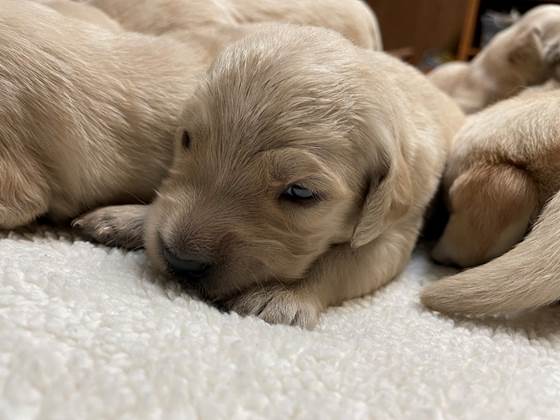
(85, 334)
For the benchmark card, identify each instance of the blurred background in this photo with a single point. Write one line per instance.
(429, 32)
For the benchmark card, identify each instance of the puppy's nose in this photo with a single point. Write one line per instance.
(187, 267)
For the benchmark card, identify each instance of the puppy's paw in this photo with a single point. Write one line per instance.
(119, 226)
(278, 305)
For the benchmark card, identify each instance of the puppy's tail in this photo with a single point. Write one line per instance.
(527, 277)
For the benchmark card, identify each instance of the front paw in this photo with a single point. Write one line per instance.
(278, 305)
(120, 226)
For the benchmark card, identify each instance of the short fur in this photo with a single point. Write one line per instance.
(525, 54)
(352, 18)
(503, 169)
(302, 106)
(287, 105)
(80, 112)
(83, 12)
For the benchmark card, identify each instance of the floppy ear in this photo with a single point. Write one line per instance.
(527, 48)
(388, 198)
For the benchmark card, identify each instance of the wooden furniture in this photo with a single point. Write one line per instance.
(466, 49)
(412, 29)
(415, 27)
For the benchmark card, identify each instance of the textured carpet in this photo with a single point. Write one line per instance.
(85, 333)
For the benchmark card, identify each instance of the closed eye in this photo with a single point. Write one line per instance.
(299, 193)
(185, 139)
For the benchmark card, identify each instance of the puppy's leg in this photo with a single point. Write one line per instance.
(119, 226)
(23, 190)
(342, 273)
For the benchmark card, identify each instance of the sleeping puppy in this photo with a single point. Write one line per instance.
(77, 130)
(502, 171)
(301, 172)
(82, 12)
(527, 53)
(352, 18)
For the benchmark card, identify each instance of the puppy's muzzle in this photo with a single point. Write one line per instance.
(189, 268)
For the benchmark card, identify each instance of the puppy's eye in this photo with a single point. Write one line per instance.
(297, 192)
(186, 139)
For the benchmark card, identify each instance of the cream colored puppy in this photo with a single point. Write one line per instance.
(352, 18)
(525, 54)
(83, 12)
(300, 177)
(84, 119)
(293, 183)
(502, 171)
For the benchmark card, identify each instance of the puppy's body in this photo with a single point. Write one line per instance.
(503, 169)
(352, 18)
(83, 12)
(525, 54)
(299, 179)
(84, 120)
(367, 136)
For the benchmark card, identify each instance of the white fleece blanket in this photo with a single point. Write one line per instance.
(85, 333)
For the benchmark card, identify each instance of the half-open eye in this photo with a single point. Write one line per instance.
(186, 139)
(297, 192)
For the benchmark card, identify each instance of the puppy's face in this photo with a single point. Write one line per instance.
(266, 176)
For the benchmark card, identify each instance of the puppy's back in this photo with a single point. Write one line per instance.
(84, 12)
(516, 132)
(84, 102)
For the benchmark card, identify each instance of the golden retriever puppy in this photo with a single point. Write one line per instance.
(502, 171)
(83, 12)
(525, 54)
(84, 121)
(300, 177)
(525, 278)
(352, 18)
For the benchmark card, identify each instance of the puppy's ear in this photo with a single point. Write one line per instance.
(491, 209)
(527, 48)
(389, 196)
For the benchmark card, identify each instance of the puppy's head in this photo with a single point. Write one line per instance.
(490, 210)
(525, 56)
(275, 162)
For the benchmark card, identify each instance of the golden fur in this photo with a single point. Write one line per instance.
(63, 98)
(290, 105)
(83, 12)
(525, 54)
(352, 18)
(328, 118)
(503, 169)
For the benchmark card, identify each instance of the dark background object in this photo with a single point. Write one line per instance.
(426, 32)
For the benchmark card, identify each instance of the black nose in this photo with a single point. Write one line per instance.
(186, 267)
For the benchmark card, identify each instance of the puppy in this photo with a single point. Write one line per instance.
(83, 120)
(352, 18)
(301, 173)
(83, 12)
(525, 54)
(502, 171)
